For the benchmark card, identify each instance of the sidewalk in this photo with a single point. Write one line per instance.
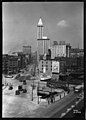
(45, 102)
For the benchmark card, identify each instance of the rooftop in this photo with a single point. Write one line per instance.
(76, 50)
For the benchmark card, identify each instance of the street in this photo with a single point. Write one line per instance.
(23, 106)
(16, 106)
(55, 109)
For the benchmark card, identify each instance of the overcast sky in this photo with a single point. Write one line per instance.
(63, 21)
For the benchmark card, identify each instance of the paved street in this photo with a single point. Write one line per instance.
(17, 106)
(22, 106)
(55, 109)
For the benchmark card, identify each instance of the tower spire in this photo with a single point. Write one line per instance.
(40, 23)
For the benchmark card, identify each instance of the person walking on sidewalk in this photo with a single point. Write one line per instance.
(60, 96)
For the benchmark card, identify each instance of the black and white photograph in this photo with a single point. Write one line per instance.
(43, 60)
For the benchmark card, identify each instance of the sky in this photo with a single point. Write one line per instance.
(63, 21)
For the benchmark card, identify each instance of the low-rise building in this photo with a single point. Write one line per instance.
(51, 66)
(76, 52)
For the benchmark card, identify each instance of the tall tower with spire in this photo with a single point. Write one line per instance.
(43, 43)
(39, 38)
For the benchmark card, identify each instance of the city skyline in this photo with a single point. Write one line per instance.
(63, 21)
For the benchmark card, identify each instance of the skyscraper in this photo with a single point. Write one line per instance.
(39, 39)
(43, 43)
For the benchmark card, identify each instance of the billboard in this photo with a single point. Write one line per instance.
(55, 66)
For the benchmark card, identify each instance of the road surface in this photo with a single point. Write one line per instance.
(54, 110)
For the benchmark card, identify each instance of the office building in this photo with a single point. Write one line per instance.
(60, 50)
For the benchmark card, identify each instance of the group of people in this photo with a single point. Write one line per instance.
(51, 99)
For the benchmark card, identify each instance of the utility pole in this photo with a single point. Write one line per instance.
(32, 89)
(32, 93)
(38, 91)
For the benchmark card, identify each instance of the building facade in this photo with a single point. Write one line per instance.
(51, 66)
(27, 53)
(22, 61)
(76, 52)
(60, 50)
(13, 64)
(5, 64)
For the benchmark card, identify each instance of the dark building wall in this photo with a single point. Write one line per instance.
(76, 52)
(80, 62)
(74, 62)
(62, 67)
(21, 62)
(13, 64)
(5, 64)
(71, 62)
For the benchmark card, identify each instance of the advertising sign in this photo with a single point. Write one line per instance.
(55, 66)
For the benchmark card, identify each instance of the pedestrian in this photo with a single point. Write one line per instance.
(64, 94)
(48, 100)
(51, 98)
(54, 98)
(60, 96)
(74, 88)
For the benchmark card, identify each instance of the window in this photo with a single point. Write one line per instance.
(42, 65)
(46, 68)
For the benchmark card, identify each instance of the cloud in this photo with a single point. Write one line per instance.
(62, 23)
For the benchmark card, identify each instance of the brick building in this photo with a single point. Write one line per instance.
(13, 64)
(5, 64)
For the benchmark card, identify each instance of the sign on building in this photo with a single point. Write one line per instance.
(55, 67)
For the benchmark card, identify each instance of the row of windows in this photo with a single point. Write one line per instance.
(46, 62)
(47, 68)
(46, 65)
